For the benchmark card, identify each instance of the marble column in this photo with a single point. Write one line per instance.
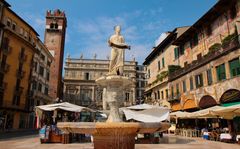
(93, 94)
(134, 95)
(104, 99)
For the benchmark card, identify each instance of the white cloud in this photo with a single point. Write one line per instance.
(94, 33)
(39, 22)
(160, 39)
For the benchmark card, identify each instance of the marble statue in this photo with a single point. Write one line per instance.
(116, 42)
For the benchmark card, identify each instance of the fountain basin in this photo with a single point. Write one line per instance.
(112, 135)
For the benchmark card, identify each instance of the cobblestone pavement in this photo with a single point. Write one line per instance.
(167, 142)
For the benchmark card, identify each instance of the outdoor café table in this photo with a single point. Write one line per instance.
(238, 139)
(225, 137)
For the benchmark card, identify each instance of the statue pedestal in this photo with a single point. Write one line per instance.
(114, 85)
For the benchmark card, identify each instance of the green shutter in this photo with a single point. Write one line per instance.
(163, 64)
(221, 74)
(234, 67)
(176, 52)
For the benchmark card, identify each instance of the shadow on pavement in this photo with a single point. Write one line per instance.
(18, 134)
(175, 140)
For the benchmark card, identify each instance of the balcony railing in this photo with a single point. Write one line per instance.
(4, 68)
(19, 90)
(3, 86)
(233, 45)
(40, 95)
(20, 74)
(174, 98)
(22, 58)
(7, 50)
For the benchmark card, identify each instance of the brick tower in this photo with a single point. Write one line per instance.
(55, 30)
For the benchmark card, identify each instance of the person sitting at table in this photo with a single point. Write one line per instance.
(205, 133)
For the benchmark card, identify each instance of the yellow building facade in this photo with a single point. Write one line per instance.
(17, 50)
(157, 63)
(211, 57)
(202, 63)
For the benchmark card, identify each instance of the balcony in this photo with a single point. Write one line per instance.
(40, 95)
(86, 103)
(224, 50)
(7, 50)
(22, 57)
(4, 68)
(3, 86)
(175, 98)
(19, 90)
(20, 74)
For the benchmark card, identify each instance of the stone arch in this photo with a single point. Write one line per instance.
(189, 104)
(207, 101)
(231, 95)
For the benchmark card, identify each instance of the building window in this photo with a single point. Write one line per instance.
(1, 98)
(87, 76)
(191, 83)
(73, 73)
(234, 67)
(48, 63)
(177, 89)
(209, 76)
(172, 91)
(221, 73)
(21, 31)
(8, 22)
(1, 78)
(35, 66)
(46, 91)
(233, 12)
(14, 26)
(39, 87)
(209, 30)
(181, 50)
(176, 53)
(25, 34)
(42, 57)
(5, 43)
(199, 80)
(149, 73)
(184, 86)
(41, 70)
(159, 65)
(34, 85)
(163, 63)
(162, 95)
(127, 97)
(16, 100)
(166, 92)
(47, 75)
(194, 41)
(158, 94)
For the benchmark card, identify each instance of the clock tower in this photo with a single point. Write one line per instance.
(55, 30)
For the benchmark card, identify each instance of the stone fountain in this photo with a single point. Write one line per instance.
(114, 133)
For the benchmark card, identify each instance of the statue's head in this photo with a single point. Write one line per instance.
(117, 29)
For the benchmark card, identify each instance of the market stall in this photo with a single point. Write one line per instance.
(47, 117)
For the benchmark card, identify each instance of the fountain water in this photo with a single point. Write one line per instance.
(114, 134)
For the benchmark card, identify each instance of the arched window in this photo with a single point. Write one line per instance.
(51, 26)
(56, 26)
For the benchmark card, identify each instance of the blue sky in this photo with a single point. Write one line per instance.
(91, 22)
